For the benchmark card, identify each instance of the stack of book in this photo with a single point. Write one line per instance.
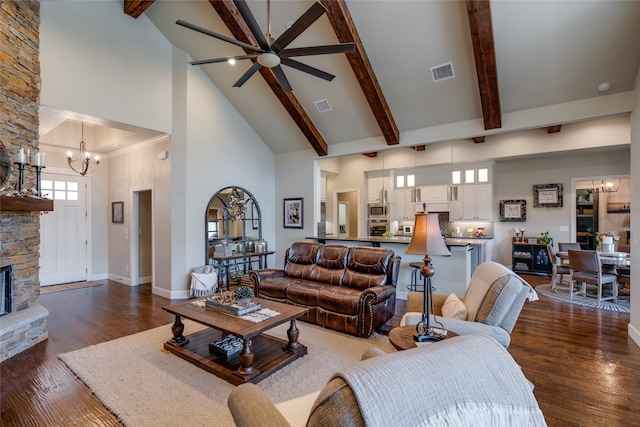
(232, 308)
(222, 250)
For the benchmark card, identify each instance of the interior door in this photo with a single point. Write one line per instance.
(63, 232)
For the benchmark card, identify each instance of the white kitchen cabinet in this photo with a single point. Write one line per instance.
(374, 185)
(433, 193)
(404, 206)
(476, 201)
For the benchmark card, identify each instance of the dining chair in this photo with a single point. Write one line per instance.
(564, 247)
(558, 270)
(586, 267)
(624, 273)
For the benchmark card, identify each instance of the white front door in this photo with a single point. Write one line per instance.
(63, 232)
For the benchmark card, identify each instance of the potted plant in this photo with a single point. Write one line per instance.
(243, 295)
(544, 238)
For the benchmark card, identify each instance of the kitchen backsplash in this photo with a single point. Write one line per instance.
(468, 228)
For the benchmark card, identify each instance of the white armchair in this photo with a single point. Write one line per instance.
(493, 301)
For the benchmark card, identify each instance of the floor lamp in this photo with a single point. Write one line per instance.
(427, 239)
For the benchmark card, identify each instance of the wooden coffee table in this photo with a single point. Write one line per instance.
(402, 337)
(261, 355)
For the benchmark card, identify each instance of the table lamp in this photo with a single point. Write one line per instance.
(427, 239)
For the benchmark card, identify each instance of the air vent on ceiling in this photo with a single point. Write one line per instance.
(442, 72)
(322, 106)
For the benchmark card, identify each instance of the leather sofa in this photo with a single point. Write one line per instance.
(349, 289)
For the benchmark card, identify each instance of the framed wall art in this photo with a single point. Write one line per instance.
(547, 196)
(117, 212)
(293, 213)
(513, 210)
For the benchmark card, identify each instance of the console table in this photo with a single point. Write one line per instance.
(244, 259)
(530, 257)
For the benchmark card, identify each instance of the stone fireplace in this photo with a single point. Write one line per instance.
(25, 325)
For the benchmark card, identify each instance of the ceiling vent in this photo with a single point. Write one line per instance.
(442, 72)
(322, 106)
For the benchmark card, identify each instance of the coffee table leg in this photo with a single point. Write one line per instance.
(292, 334)
(177, 329)
(246, 359)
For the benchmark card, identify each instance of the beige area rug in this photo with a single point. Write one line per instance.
(67, 287)
(145, 386)
(562, 294)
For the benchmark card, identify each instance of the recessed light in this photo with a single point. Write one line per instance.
(605, 86)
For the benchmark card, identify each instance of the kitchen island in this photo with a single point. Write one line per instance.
(452, 272)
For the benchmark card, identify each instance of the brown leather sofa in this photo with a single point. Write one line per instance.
(349, 289)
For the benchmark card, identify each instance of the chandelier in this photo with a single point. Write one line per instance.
(606, 185)
(84, 157)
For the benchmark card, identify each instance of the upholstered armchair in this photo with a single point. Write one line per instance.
(469, 380)
(491, 305)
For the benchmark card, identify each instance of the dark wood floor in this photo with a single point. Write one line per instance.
(585, 369)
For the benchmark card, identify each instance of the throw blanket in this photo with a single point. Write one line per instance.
(463, 381)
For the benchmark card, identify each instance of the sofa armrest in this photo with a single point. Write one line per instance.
(257, 275)
(381, 293)
(251, 407)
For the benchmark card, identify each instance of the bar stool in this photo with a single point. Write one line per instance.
(413, 287)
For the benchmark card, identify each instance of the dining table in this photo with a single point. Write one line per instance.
(615, 259)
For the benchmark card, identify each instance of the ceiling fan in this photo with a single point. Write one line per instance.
(273, 52)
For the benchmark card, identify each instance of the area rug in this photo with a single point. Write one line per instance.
(563, 295)
(143, 385)
(67, 287)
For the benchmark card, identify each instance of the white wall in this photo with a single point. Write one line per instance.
(634, 325)
(98, 61)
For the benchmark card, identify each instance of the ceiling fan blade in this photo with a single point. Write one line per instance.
(255, 67)
(318, 50)
(282, 79)
(307, 18)
(218, 36)
(216, 60)
(307, 69)
(246, 14)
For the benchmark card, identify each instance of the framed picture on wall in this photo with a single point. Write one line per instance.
(293, 214)
(117, 212)
(547, 196)
(513, 210)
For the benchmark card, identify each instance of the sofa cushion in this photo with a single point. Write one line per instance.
(330, 264)
(339, 299)
(304, 292)
(454, 308)
(366, 267)
(301, 259)
(274, 287)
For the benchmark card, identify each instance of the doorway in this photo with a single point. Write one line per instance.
(347, 213)
(599, 211)
(142, 245)
(63, 231)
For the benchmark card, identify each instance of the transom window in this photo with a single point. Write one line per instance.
(59, 190)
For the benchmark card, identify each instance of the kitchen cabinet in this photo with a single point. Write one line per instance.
(433, 193)
(476, 201)
(405, 208)
(374, 185)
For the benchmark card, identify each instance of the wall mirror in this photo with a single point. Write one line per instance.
(233, 214)
(5, 164)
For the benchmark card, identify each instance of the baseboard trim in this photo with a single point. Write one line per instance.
(120, 279)
(634, 334)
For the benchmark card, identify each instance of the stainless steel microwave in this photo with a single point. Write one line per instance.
(378, 211)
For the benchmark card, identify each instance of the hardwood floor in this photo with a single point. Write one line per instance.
(585, 369)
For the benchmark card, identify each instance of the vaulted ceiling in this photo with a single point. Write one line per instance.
(516, 65)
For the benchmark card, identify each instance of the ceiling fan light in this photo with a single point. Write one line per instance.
(268, 59)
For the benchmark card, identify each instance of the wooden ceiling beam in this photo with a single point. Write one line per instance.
(345, 30)
(371, 154)
(135, 8)
(478, 139)
(240, 31)
(479, 12)
(419, 147)
(554, 129)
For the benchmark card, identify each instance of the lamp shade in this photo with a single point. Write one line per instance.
(427, 238)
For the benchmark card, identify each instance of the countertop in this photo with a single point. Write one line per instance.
(375, 240)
